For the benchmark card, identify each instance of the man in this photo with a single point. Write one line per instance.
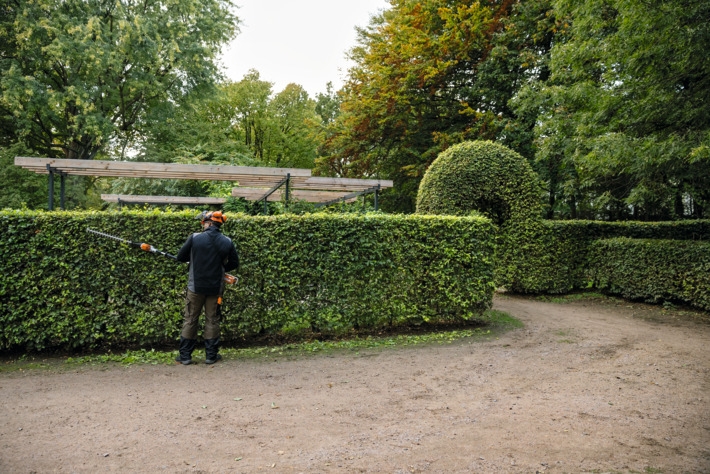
(210, 255)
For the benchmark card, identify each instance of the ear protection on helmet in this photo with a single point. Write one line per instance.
(215, 216)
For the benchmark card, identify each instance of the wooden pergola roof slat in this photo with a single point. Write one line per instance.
(253, 194)
(141, 169)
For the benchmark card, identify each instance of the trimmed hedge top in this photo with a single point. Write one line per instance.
(480, 176)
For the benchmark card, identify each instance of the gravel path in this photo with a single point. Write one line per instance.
(587, 386)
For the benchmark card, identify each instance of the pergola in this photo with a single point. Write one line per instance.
(255, 183)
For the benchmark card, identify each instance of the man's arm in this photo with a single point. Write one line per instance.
(232, 259)
(184, 254)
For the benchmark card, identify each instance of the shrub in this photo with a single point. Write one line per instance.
(480, 176)
(488, 178)
(653, 271)
(553, 256)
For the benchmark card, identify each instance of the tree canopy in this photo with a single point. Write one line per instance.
(606, 99)
(623, 122)
(429, 74)
(77, 74)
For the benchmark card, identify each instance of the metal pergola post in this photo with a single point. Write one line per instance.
(51, 188)
(271, 191)
(62, 176)
(343, 199)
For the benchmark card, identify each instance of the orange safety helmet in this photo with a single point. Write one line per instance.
(216, 217)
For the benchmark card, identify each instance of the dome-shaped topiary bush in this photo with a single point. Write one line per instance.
(480, 176)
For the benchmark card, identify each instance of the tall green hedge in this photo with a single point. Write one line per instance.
(61, 287)
(555, 255)
(484, 177)
(654, 271)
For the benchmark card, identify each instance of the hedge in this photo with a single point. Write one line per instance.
(64, 288)
(481, 176)
(654, 271)
(553, 256)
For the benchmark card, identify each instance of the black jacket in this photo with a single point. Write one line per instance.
(210, 254)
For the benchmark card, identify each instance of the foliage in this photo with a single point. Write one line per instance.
(488, 178)
(241, 124)
(298, 126)
(20, 188)
(429, 74)
(480, 176)
(623, 123)
(280, 129)
(77, 74)
(555, 255)
(198, 128)
(362, 205)
(320, 272)
(654, 271)
(328, 105)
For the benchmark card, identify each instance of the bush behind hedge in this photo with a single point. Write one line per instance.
(62, 287)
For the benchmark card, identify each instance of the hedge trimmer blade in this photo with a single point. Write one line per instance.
(113, 237)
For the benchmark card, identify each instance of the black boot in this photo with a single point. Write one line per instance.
(211, 351)
(186, 348)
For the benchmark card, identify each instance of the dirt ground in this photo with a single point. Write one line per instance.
(585, 386)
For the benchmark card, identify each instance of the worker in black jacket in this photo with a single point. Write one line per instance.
(210, 254)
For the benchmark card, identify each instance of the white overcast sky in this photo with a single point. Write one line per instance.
(301, 41)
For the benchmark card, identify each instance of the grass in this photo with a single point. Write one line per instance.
(493, 324)
(571, 297)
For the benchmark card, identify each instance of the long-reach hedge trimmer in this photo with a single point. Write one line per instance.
(228, 279)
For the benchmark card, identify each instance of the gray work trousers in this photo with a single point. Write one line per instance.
(194, 302)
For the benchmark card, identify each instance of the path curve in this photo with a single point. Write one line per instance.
(591, 386)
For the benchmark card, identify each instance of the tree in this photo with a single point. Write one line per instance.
(77, 74)
(250, 99)
(280, 129)
(197, 129)
(624, 119)
(429, 74)
(297, 125)
(242, 123)
(328, 105)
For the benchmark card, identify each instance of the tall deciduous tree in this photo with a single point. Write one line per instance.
(429, 74)
(625, 118)
(280, 129)
(79, 73)
(250, 99)
(295, 142)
